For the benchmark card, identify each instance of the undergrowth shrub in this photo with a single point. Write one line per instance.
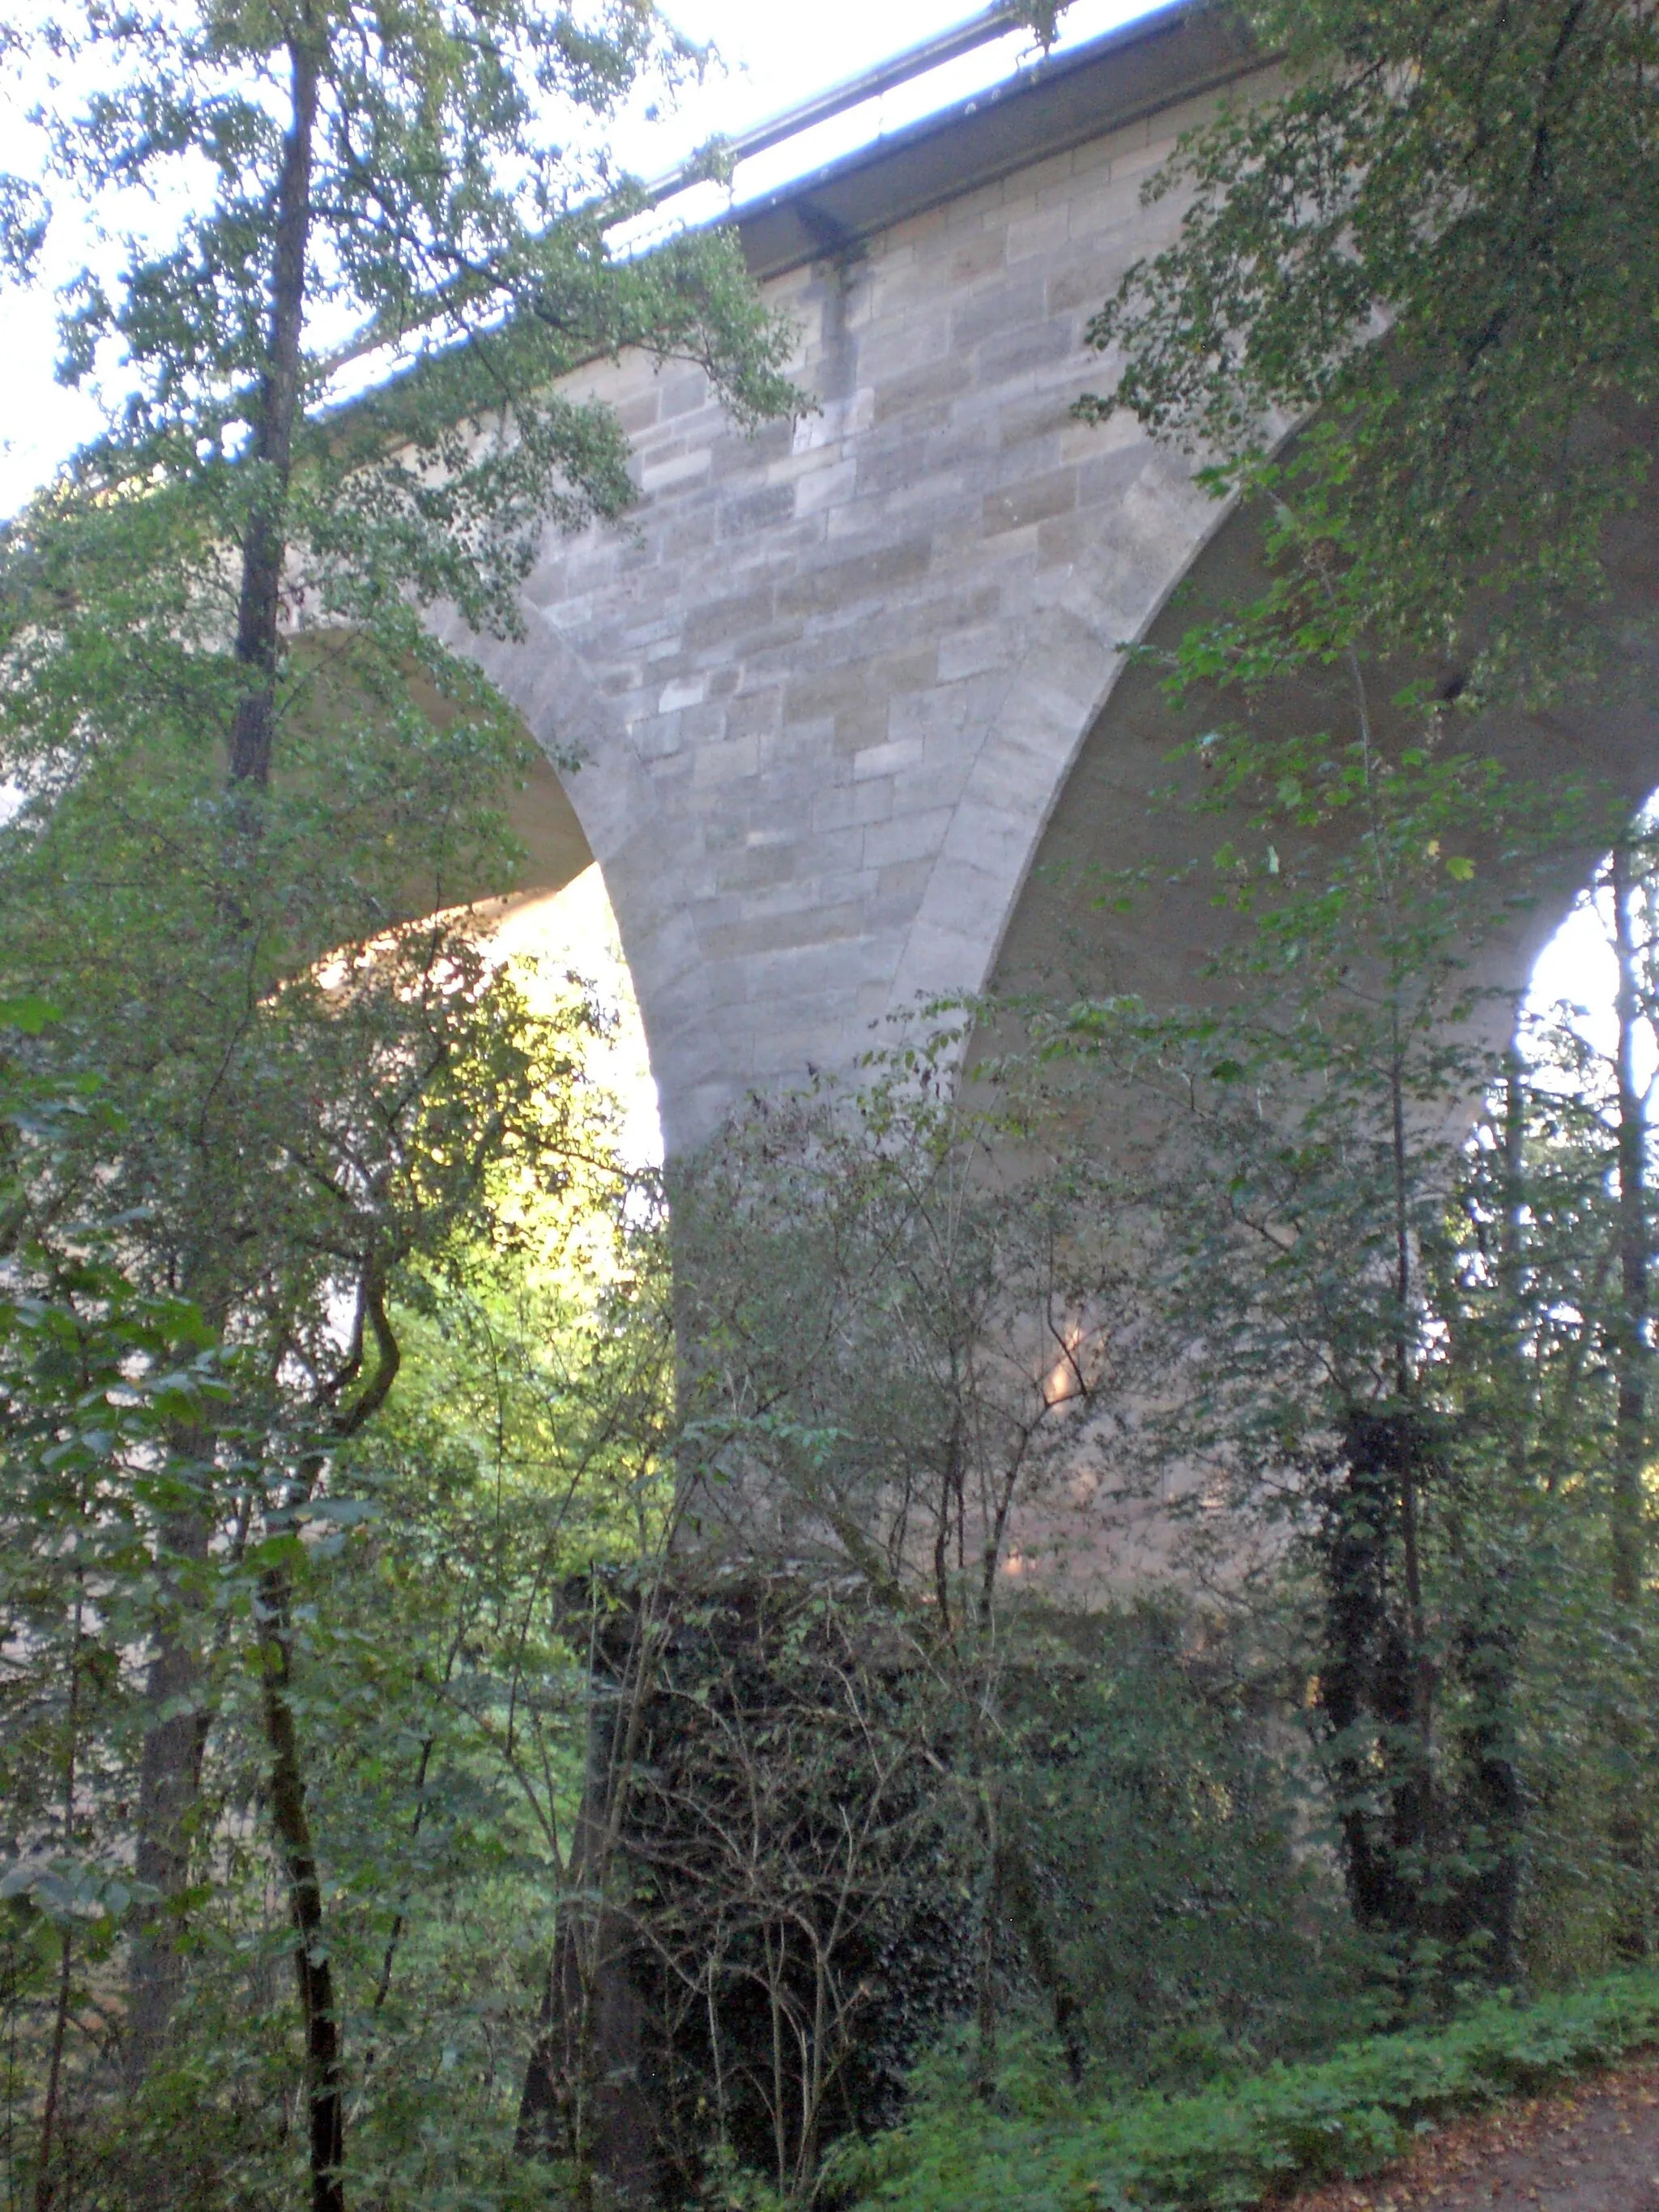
(1162, 1818)
(1035, 2147)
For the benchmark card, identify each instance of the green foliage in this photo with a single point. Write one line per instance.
(891, 1349)
(233, 578)
(407, 1582)
(1151, 1816)
(1394, 1356)
(1240, 2143)
(434, 1661)
(1478, 182)
(908, 1367)
(340, 1701)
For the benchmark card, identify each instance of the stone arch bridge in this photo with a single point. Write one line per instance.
(845, 688)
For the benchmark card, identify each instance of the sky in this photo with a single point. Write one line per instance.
(574, 933)
(771, 57)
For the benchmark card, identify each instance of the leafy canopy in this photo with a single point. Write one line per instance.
(1440, 235)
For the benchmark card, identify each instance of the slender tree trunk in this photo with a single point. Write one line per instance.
(258, 618)
(1368, 1685)
(1489, 1639)
(1409, 1466)
(388, 1957)
(259, 645)
(1493, 1627)
(582, 2098)
(1026, 1912)
(171, 1759)
(169, 1774)
(985, 1949)
(325, 2096)
(1631, 1419)
(45, 2179)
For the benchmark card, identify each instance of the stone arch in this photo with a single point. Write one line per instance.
(557, 848)
(603, 784)
(1058, 696)
(1052, 658)
(846, 695)
(1107, 816)
(827, 681)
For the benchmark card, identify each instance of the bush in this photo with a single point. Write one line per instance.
(1159, 1813)
(1235, 2146)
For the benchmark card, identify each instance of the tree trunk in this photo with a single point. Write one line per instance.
(1629, 1423)
(1026, 1910)
(324, 2098)
(1490, 1902)
(44, 2177)
(258, 617)
(169, 1774)
(1368, 1685)
(1492, 1631)
(171, 1759)
(986, 1932)
(584, 2099)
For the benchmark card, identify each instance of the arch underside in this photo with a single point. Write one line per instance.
(548, 827)
(823, 692)
(1126, 806)
(1047, 820)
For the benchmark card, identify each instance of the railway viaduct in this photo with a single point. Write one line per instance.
(845, 689)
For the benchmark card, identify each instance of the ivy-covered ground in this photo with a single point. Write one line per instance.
(1352, 2119)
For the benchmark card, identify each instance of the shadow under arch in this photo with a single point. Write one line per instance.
(554, 847)
(546, 910)
(1126, 806)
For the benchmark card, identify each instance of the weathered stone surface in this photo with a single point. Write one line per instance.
(838, 685)
(827, 686)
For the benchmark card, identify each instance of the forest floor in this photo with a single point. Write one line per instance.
(1594, 2148)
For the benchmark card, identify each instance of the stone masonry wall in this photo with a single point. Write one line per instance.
(827, 689)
